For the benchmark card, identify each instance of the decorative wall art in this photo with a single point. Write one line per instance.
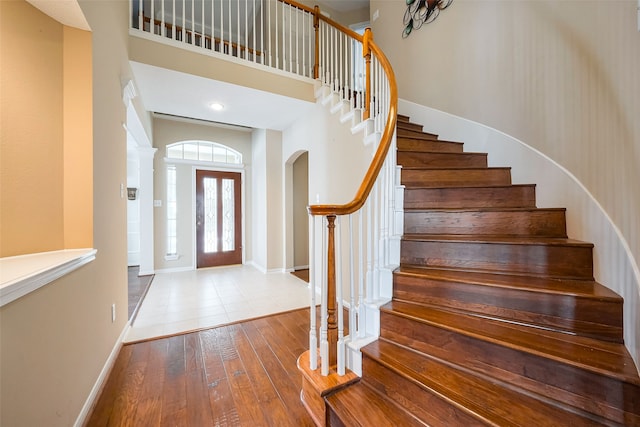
(421, 12)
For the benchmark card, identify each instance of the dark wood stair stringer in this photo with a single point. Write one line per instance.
(496, 318)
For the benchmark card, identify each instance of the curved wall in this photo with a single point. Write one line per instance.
(560, 76)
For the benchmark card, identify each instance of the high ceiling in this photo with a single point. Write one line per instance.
(171, 92)
(179, 94)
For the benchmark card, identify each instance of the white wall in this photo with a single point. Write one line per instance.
(133, 206)
(167, 132)
(258, 251)
(267, 245)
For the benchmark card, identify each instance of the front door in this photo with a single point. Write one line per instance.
(218, 218)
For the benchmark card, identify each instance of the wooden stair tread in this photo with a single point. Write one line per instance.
(453, 168)
(463, 153)
(360, 405)
(407, 133)
(465, 187)
(509, 240)
(419, 139)
(593, 355)
(580, 288)
(488, 401)
(485, 209)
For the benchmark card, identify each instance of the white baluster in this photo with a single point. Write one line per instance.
(370, 265)
(193, 22)
(262, 60)
(230, 30)
(297, 42)
(238, 28)
(313, 339)
(277, 57)
(340, 353)
(361, 272)
(376, 241)
(352, 284)
(246, 29)
(290, 8)
(324, 341)
(305, 29)
(203, 39)
(255, 48)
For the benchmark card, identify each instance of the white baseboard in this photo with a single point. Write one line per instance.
(106, 369)
(173, 270)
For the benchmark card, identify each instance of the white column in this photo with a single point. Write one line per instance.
(145, 194)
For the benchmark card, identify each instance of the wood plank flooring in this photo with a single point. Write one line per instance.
(237, 375)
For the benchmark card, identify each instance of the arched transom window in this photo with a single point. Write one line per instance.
(203, 151)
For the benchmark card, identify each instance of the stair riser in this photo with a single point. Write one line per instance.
(568, 384)
(561, 261)
(415, 133)
(541, 223)
(425, 145)
(455, 177)
(426, 406)
(484, 197)
(409, 126)
(589, 317)
(442, 160)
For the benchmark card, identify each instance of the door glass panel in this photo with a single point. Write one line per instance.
(228, 209)
(210, 215)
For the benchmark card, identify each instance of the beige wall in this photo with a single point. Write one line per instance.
(560, 76)
(54, 342)
(31, 172)
(46, 169)
(345, 18)
(168, 132)
(300, 215)
(197, 64)
(78, 150)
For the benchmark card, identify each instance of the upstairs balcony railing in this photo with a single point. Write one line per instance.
(351, 70)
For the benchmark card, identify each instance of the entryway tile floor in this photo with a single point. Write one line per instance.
(186, 301)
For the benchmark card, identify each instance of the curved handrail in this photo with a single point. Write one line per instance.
(328, 20)
(383, 148)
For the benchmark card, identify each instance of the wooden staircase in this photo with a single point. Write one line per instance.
(496, 318)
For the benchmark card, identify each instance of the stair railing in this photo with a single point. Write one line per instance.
(368, 219)
(296, 39)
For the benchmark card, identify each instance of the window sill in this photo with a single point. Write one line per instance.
(23, 274)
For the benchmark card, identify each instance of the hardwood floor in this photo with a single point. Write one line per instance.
(302, 274)
(243, 374)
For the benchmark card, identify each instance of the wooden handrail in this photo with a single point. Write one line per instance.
(328, 20)
(381, 153)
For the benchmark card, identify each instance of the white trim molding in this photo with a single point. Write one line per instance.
(102, 378)
(23, 274)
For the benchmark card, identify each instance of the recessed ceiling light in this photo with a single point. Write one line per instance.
(216, 106)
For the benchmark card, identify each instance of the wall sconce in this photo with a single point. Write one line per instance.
(131, 193)
(421, 12)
